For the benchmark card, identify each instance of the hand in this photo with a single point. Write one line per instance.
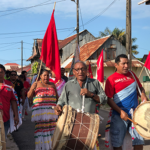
(143, 98)
(16, 120)
(123, 115)
(85, 92)
(58, 110)
(34, 85)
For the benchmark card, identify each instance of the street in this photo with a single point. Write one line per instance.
(24, 137)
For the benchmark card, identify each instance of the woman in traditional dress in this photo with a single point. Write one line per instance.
(42, 113)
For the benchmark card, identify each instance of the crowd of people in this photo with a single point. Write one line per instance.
(46, 92)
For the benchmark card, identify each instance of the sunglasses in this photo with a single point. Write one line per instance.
(13, 74)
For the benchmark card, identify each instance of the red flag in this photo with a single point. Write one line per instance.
(90, 71)
(100, 68)
(50, 49)
(147, 62)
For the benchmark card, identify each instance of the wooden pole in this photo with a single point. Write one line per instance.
(147, 72)
(141, 72)
(128, 32)
(54, 5)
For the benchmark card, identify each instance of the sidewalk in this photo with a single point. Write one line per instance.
(10, 143)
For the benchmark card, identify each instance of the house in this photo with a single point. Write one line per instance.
(111, 48)
(25, 68)
(11, 66)
(66, 46)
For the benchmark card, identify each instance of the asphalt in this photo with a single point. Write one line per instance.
(24, 137)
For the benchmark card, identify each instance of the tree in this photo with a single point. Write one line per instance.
(120, 36)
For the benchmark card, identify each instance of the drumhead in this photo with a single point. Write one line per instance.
(142, 117)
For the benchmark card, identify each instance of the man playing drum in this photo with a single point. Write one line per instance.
(121, 89)
(75, 89)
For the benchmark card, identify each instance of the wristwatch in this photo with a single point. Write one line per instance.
(93, 95)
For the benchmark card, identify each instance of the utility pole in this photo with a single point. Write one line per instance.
(21, 55)
(128, 32)
(78, 22)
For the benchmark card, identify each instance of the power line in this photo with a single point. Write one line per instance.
(63, 29)
(29, 8)
(100, 13)
(9, 45)
(24, 7)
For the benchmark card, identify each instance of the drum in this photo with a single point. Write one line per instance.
(75, 131)
(142, 117)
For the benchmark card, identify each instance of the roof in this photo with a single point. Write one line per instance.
(88, 49)
(11, 64)
(26, 68)
(111, 63)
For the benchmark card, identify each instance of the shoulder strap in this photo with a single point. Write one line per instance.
(136, 82)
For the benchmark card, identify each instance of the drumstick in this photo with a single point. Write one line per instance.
(135, 123)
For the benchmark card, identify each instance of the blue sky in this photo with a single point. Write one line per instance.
(37, 19)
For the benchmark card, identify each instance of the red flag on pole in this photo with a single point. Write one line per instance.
(90, 71)
(50, 49)
(147, 62)
(100, 68)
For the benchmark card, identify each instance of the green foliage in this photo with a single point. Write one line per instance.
(140, 59)
(120, 35)
(35, 67)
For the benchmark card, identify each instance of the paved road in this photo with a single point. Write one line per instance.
(25, 136)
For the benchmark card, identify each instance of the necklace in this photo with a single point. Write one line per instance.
(44, 85)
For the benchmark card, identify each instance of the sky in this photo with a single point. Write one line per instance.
(26, 20)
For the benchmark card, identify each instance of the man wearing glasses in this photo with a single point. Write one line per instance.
(18, 86)
(75, 89)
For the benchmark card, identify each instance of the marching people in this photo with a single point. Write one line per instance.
(24, 73)
(7, 75)
(7, 97)
(18, 87)
(62, 74)
(74, 90)
(26, 89)
(121, 89)
(43, 115)
(58, 83)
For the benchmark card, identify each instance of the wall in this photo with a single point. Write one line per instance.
(69, 49)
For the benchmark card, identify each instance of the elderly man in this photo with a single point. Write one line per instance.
(121, 89)
(75, 89)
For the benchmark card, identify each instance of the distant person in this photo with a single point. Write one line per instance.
(7, 97)
(26, 89)
(62, 74)
(7, 75)
(18, 86)
(25, 75)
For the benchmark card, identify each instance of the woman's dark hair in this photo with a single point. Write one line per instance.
(43, 70)
(2, 67)
(23, 72)
(117, 60)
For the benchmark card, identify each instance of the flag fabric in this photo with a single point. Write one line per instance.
(50, 49)
(90, 71)
(76, 58)
(147, 62)
(100, 68)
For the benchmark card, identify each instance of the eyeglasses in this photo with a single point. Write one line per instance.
(13, 74)
(78, 69)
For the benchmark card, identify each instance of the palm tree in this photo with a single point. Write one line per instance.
(121, 36)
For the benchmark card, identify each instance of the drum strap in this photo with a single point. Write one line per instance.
(83, 98)
(136, 83)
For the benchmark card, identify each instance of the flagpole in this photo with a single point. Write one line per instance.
(54, 5)
(141, 72)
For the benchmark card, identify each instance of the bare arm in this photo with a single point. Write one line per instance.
(31, 92)
(23, 95)
(15, 110)
(143, 95)
(113, 105)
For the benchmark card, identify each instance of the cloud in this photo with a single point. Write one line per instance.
(89, 8)
(146, 27)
